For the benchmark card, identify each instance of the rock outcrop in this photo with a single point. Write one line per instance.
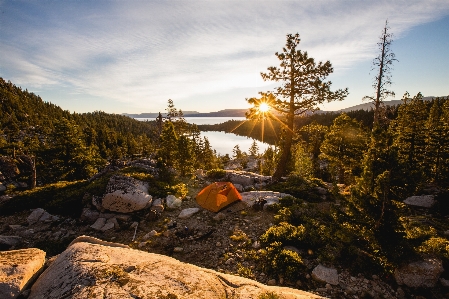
(251, 197)
(173, 202)
(247, 179)
(17, 269)
(8, 167)
(87, 270)
(125, 195)
(40, 215)
(7, 242)
(423, 201)
(187, 213)
(421, 274)
(324, 274)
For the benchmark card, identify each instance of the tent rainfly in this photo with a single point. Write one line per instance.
(218, 195)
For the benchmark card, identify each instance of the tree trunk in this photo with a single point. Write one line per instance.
(281, 169)
(379, 80)
(30, 163)
(33, 172)
(341, 174)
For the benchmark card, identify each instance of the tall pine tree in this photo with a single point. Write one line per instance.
(409, 134)
(437, 141)
(303, 87)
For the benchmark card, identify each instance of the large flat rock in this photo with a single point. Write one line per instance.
(17, 268)
(87, 270)
(125, 195)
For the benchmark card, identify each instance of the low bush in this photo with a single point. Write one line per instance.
(244, 271)
(284, 233)
(179, 190)
(62, 198)
(283, 262)
(269, 295)
(299, 187)
(436, 246)
(216, 174)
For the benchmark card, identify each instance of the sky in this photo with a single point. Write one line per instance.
(132, 56)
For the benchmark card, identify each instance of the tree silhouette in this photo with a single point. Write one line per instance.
(383, 65)
(302, 89)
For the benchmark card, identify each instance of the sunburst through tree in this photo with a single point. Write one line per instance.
(303, 87)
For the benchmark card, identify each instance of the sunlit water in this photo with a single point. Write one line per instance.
(223, 142)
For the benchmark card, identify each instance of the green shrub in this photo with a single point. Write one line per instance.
(435, 246)
(269, 295)
(417, 230)
(289, 201)
(299, 187)
(284, 233)
(283, 215)
(244, 271)
(137, 173)
(283, 262)
(61, 198)
(216, 173)
(179, 190)
(239, 236)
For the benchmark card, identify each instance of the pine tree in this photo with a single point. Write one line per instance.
(437, 141)
(254, 149)
(372, 194)
(303, 88)
(268, 161)
(303, 165)
(312, 135)
(409, 133)
(208, 156)
(177, 118)
(445, 152)
(343, 147)
(237, 152)
(68, 157)
(168, 144)
(185, 155)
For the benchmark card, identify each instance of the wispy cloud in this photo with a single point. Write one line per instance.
(142, 53)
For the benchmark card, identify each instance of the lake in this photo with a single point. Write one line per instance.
(222, 142)
(202, 120)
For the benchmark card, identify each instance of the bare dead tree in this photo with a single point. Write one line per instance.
(382, 64)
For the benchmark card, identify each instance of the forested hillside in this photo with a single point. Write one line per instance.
(56, 145)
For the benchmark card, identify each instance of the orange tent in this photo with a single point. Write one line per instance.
(218, 195)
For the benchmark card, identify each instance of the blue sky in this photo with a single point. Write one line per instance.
(132, 56)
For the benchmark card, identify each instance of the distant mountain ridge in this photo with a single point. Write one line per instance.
(369, 105)
(221, 113)
(241, 112)
(155, 114)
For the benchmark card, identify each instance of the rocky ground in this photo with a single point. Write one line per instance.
(227, 242)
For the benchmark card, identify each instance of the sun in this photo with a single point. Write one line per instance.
(264, 107)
